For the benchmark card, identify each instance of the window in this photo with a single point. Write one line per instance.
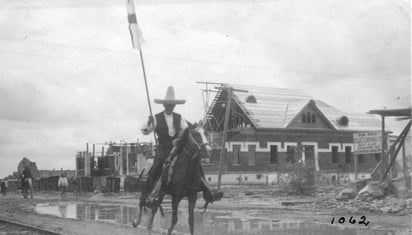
(80, 163)
(309, 151)
(273, 154)
(334, 154)
(236, 154)
(348, 154)
(308, 117)
(377, 157)
(251, 99)
(252, 155)
(290, 154)
(313, 118)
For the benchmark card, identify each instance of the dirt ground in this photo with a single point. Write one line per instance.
(258, 201)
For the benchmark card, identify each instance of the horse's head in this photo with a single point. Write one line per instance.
(197, 138)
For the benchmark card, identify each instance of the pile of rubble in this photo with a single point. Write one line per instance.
(388, 204)
(373, 197)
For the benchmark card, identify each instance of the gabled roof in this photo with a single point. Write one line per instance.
(276, 107)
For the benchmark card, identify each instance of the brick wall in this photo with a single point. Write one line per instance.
(239, 144)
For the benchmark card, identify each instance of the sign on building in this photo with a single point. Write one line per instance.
(367, 142)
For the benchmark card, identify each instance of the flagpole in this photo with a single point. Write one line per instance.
(147, 91)
(136, 41)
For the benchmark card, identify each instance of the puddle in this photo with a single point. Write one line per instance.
(216, 223)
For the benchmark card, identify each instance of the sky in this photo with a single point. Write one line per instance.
(69, 75)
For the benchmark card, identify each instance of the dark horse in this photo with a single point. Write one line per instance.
(185, 180)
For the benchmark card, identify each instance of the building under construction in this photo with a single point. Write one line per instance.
(119, 159)
(271, 128)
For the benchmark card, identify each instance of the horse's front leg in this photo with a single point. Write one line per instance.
(137, 220)
(192, 202)
(151, 218)
(175, 207)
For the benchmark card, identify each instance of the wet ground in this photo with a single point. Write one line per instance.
(215, 222)
(243, 210)
(6, 229)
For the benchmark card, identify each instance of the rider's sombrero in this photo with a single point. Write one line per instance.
(169, 98)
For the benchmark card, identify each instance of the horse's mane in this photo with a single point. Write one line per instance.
(181, 140)
(190, 125)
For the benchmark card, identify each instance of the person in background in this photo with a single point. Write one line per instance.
(63, 184)
(3, 187)
(26, 174)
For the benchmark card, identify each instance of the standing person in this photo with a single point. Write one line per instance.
(3, 187)
(6, 182)
(63, 184)
(168, 125)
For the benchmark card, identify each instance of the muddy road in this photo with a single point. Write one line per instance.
(243, 210)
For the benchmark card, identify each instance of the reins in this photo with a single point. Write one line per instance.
(192, 143)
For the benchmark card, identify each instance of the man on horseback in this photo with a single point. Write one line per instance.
(168, 125)
(26, 179)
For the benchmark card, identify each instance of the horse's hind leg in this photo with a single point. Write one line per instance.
(175, 207)
(31, 188)
(24, 193)
(192, 203)
(161, 211)
(137, 220)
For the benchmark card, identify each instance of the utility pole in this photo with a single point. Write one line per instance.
(355, 160)
(127, 159)
(229, 90)
(93, 158)
(225, 127)
(383, 146)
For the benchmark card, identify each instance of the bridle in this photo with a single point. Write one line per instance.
(193, 143)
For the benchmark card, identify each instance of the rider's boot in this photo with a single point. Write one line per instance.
(210, 195)
(170, 163)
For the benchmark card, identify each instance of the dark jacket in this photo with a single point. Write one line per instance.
(27, 173)
(162, 130)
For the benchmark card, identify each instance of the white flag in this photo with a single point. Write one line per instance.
(134, 30)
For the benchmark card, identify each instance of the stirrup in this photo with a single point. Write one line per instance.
(217, 196)
(204, 207)
(211, 197)
(151, 202)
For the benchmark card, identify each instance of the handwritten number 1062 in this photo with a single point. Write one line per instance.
(342, 220)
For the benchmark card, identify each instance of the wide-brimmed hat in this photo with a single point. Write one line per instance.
(169, 98)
